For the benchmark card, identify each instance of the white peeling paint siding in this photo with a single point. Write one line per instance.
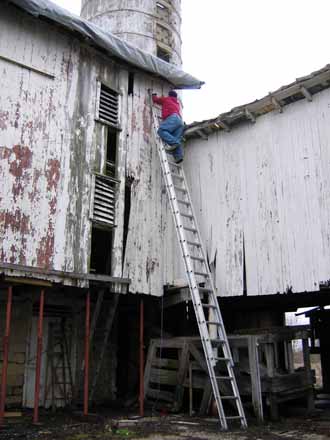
(50, 145)
(268, 183)
(149, 254)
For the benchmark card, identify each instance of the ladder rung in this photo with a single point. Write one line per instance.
(197, 258)
(186, 215)
(180, 189)
(202, 274)
(218, 341)
(234, 417)
(228, 397)
(209, 306)
(224, 378)
(184, 202)
(213, 323)
(222, 359)
(177, 176)
(194, 243)
(174, 164)
(204, 289)
(190, 229)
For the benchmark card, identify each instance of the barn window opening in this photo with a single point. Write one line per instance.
(100, 261)
(108, 108)
(111, 154)
(127, 211)
(130, 83)
(163, 54)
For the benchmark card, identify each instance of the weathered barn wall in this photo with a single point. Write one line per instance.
(44, 147)
(148, 258)
(264, 188)
(50, 145)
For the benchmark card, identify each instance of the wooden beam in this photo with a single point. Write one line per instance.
(250, 115)
(255, 377)
(276, 104)
(223, 125)
(181, 296)
(202, 134)
(306, 93)
(181, 375)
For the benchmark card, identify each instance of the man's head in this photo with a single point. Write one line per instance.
(173, 94)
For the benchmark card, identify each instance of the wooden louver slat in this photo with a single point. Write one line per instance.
(108, 106)
(104, 201)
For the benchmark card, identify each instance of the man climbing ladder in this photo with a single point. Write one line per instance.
(171, 128)
(218, 358)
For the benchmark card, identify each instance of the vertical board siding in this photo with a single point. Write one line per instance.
(269, 183)
(151, 259)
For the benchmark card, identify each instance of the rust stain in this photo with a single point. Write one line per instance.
(17, 221)
(46, 248)
(4, 116)
(34, 193)
(134, 122)
(146, 118)
(17, 114)
(19, 159)
(52, 174)
(52, 205)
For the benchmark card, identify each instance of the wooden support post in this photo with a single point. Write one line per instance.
(255, 377)
(270, 361)
(150, 359)
(5, 355)
(141, 398)
(38, 361)
(191, 408)
(86, 363)
(307, 365)
(182, 373)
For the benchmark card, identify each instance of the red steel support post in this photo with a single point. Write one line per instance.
(5, 356)
(38, 364)
(141, 358)
(86, 370)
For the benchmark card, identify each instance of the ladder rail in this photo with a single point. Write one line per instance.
(206, 343)
(191, 272)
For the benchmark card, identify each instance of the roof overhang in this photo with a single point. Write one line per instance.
(112, 45)
(302, 88)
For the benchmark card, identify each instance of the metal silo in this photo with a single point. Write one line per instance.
(152, 25)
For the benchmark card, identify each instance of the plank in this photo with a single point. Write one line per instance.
(255, 378)
(181, 375)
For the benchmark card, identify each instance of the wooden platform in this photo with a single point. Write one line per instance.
(264, 370)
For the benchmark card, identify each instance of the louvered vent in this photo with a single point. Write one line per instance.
(104, 200)
(108, 106)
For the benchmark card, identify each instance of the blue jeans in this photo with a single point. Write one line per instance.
(170, 131)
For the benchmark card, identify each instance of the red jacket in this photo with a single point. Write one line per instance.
(170, 105)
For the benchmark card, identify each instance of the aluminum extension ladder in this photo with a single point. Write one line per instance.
(211, 327)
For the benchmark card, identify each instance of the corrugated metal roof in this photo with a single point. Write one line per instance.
(303, 88)
(114, 46)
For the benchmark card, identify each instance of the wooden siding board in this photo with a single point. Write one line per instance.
(271, 183)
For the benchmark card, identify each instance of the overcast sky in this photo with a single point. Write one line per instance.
(244, 49)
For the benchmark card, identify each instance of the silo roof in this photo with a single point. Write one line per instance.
(115, 47)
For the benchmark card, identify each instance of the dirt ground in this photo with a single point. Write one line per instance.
(174, 427)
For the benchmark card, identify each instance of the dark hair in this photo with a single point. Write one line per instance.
(173, 93)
